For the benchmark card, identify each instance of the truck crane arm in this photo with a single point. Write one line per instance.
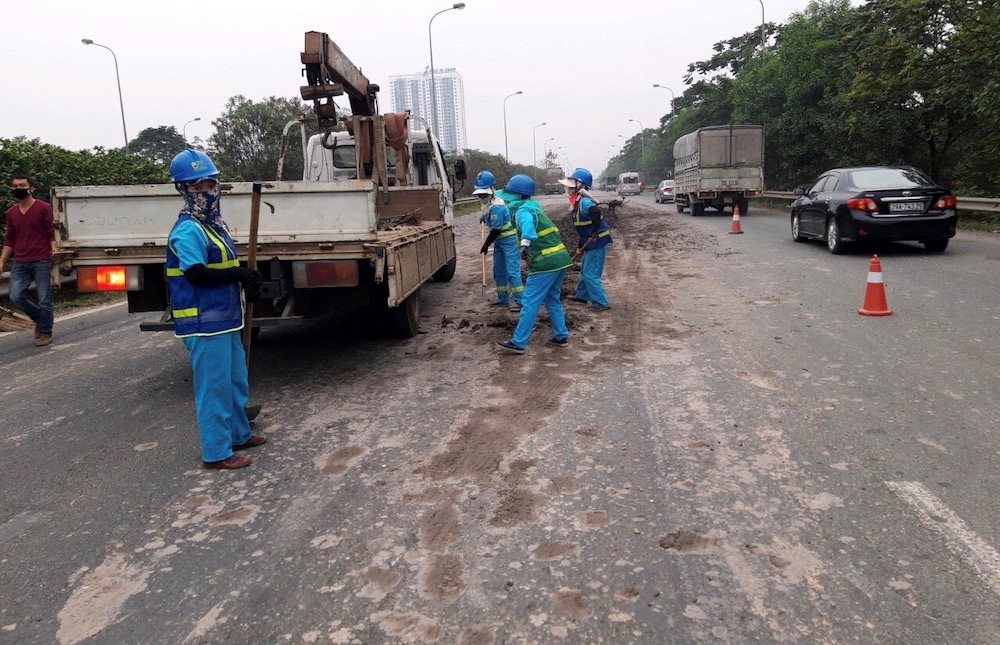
(330, 73)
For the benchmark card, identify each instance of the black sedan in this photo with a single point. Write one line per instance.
(874, 203)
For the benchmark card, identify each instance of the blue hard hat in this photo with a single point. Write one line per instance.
(522, 185)
(583, 176)
(485, 179)
(192, 165)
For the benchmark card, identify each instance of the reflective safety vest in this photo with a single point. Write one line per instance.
(547, 252)
(204, 311)
(497, 216)
(585, 226)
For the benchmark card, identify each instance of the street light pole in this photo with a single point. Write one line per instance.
(184, 129)
(545, 147)
(121, 104)
(430, 44)
(534, 149)
(761, 25)
(672, 97)
(642, 138)
(506, 153)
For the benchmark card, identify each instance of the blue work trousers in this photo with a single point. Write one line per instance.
(590, 287)
(507, 269)
(220, 392)
(539, 288)
(22, 274)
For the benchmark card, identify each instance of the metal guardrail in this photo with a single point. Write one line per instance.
(978, 204)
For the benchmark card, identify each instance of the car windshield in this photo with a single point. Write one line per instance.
(630, 180)
(883, 178)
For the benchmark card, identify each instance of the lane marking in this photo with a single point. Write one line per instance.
(961, 540)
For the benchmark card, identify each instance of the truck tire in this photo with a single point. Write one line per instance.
(404, 320)
(678, 204)
(744, 205)
(447, 272)
(697, 208)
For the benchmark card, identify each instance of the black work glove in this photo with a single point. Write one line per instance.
(494, 234)
(201, 276)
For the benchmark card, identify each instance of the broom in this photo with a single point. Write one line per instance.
(14, 321)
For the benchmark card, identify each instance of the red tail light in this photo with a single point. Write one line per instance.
(109, 278)
(947, 202)
(865, 204)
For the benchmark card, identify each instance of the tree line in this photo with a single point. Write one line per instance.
(911, 82)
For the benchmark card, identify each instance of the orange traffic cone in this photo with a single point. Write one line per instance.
(875, 303)
(736, 230)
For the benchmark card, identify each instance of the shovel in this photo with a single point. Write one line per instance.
(482, 240)
(251, 264)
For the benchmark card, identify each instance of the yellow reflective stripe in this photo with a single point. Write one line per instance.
(186, 313)
(583, 222)
(554, 249)
(508, 233)
(223, 265)
(223, 249)
(546, 231)
(603, 234)
(517, 289)
(503, 289)
(174, 273)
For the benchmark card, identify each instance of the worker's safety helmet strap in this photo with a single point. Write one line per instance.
(192, 165)
(522, 185)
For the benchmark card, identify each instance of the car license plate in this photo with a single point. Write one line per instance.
(905, 207)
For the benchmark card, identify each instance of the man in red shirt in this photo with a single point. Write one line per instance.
(31, 239)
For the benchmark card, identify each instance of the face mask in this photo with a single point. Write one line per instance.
(205, 204)
(20, 193)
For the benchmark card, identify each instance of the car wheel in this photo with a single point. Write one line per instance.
(936, 246)
(797, 229)
(833, 241)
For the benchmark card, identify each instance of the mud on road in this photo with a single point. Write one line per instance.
(435, 490)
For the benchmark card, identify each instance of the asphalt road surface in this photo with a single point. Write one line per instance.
(731, 454)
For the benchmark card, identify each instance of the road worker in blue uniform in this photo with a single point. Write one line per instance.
(543, 251)
(592, 230)
(206, 283)
(503, 237)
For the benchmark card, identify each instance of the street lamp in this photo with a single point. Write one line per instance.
(672, 97)
(642, 138)
(761, 25)
(121, 104)
(534, 149)
(545, 148)
(430, 44)
(506, 154)
(184, 129)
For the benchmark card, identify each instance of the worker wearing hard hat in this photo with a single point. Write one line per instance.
(204, 278)
(503, 237)
(592, 229)
(547, 259)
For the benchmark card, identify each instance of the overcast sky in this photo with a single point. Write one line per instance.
(585, 67)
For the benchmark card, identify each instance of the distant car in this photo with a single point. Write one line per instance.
(664, 191)
(629, 184)
(874, 203)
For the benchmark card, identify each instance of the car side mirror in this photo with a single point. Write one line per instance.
(799, 190)
(460, 170)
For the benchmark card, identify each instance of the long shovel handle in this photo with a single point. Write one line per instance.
(251, 264)
(482, 239)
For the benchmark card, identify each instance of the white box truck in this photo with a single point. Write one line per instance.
(719, 166)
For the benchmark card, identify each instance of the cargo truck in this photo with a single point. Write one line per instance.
(719, 166)
(367, 225)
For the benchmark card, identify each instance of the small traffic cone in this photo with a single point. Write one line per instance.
(875, 303)
(736, 230)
